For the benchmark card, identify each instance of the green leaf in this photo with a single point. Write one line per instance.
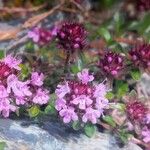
(50, 110)
(34, 111)
(105, 34)
(2, 54)
(119, 21)
(136, 74)
(124, 135)
(110, 95)
(2, 145)
(89, 130)
(109, 120)
(24, 71)
(76, 125)
(122, 88)
(118, 106)
(29, 47)
(77, 67)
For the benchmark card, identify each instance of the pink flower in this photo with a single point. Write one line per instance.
(100, 90)
(20, 100)
(83, 101)
(3, 92)
(41, 97)
(68, 114)
(19, 88)
(37, 79)
(60, 104)
(12, 62)
(34, 35)
(148, 118)
(146, 135)
(91, 115)
(6, 107)
(101, 103)
(40, 36)
(85, 77)
(62, 90)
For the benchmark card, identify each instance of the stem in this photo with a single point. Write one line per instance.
(66, 67)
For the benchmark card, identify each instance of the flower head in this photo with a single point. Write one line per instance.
(136, 110)
(12, 62)
(143, 5)
(85, 77)
(40, 36)
(140, 56)
(71, 36)
(112, 64)
(86, 100)
(68, 114)
(146, 134)
(41, 97)
(15, 92)
(37, 79)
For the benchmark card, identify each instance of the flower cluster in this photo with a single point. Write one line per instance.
(143, 5)
(136, 110)
(112, 64)
(72, 36)
(41, 36)
(141, 56)
(14, 92)
(81, 100)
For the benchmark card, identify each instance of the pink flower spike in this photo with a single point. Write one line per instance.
(83, 101)
(37, 79)
(41, 97)
(91, 115)
(100, 90)
(34, 35)
(19, 88)
(148, 118)
(12, 62)
(68, 115)
(60, 104)
(85, 77)
(62, 90)
(146, 135)
(3, 92)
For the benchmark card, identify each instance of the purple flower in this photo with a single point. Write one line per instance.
(86, 100)
(12, 62)
(140, 56)
(60, 104)
(100, 90)
(34, 35)
(71, 36)
(37, 79)
(40, 36)
(146, 135)
(3, 92)
(83, 101)
(19, 88)
(101, 103)
(91, 115)
(20, 100)
(112, 64)
(68, 114)
(41, 97)
(85, 77)
(6, 107)
(148, 118)
(62, 90)
(143, 5)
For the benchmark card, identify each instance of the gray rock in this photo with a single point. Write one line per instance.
(53, 136)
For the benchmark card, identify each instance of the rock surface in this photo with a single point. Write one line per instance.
(53, 136)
